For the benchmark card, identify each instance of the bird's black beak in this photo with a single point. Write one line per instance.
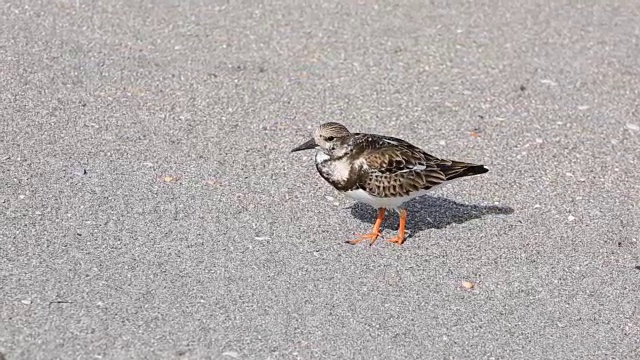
(310, 144)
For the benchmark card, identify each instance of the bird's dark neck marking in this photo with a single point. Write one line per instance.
(338, 171)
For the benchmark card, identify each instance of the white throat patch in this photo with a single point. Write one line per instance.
(321, 156)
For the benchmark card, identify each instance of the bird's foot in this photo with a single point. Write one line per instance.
(398, 239)
(371, 237)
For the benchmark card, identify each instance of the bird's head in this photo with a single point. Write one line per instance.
(331, 138)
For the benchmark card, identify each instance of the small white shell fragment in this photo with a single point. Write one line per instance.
(232, 354)
(633, 127)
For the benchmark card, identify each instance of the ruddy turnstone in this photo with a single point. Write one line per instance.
(382, 171)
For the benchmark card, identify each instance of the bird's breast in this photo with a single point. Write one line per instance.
(338, 173)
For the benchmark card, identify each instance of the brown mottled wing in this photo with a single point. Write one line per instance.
(395, 167)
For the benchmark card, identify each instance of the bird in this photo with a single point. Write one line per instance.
(382, 171)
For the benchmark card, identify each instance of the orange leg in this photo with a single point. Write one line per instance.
(399, 239)
(375, 232)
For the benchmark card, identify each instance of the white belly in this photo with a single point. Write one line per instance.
(378, 202)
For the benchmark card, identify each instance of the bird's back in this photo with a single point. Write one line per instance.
(392, 167)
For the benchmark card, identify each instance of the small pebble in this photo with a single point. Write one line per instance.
(211, 182)
(536, 206)
(26, 302)
(80, 171)
(168, 178)
(259, 238)
(633, 127)
(468, 284)
(571, 218)
(330, 198)
(232, 354)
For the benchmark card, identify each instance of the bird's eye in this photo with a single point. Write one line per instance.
(330, 138)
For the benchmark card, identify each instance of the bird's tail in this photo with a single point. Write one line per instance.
(459, 169)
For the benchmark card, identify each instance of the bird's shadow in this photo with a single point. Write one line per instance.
(430, 212)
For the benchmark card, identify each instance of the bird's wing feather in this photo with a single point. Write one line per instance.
(394, 167)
